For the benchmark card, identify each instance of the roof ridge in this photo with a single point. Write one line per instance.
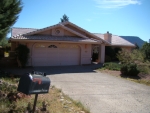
(103, 34)
(42, 29)
(131, 36)
(97, 33)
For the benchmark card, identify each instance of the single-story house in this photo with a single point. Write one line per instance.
(64, 44)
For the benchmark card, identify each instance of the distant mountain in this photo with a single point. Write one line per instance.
(134, 39)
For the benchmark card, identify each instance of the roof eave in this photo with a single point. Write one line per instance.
(27, 40)
(123, 45)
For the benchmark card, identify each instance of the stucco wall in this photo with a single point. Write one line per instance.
(85, 53)
(48, 32)
(67, 33)
(75, 29)
(53, 32)
(128, 48)
(60, 33)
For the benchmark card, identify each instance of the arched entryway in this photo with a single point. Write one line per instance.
(95, 53)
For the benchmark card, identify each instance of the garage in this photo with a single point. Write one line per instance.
(53, 54)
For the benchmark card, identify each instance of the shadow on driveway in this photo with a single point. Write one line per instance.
(50, 70)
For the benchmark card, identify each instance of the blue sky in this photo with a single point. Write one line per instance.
(119, 17)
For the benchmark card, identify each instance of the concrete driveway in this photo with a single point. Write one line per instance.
(101, 93)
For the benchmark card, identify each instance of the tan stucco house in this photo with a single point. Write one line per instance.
(64, 44)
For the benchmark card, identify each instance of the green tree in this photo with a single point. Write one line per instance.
(4, 42)
(146, 51)
(9, 10)
(130, 57)
(64, 18)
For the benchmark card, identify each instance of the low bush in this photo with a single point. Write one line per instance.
(130, 70)
(133, 63)
(112, 66)
(144, 69)
(22, 54)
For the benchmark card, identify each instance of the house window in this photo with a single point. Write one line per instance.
(57, 31)
(52, 46)
(40, 46)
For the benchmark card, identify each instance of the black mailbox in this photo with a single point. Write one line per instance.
(34, 83)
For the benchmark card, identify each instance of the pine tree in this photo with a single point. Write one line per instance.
(64, 18)
(4, 42)
(9, 12)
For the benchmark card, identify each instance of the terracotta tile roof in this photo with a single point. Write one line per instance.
(34, 31)
(25, 34)
(120, 41)
(52, 38)
(116, 40)
(16, 31)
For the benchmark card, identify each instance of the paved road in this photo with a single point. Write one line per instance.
(101, 93)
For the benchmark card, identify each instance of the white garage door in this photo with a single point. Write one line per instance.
(45, 54)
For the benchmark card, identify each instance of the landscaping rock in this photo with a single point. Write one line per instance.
(65, 107)
(62, 97)
(61, 100)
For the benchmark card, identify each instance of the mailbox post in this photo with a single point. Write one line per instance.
(34, 83)
(35, 100)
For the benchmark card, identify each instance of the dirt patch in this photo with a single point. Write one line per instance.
(144, 76)
(118, 74)
(111, 72)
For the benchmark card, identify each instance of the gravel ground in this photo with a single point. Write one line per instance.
(103, 93)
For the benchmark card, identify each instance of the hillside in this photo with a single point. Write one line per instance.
(134, 39)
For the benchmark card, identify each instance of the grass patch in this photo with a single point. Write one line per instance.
(146, 82)
(117, 74)
(55, 101)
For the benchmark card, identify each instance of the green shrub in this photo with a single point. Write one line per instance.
(112, 66)
(22, 54)
(124, 70)
(130, 70)
(133, 63)
(144, 69)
